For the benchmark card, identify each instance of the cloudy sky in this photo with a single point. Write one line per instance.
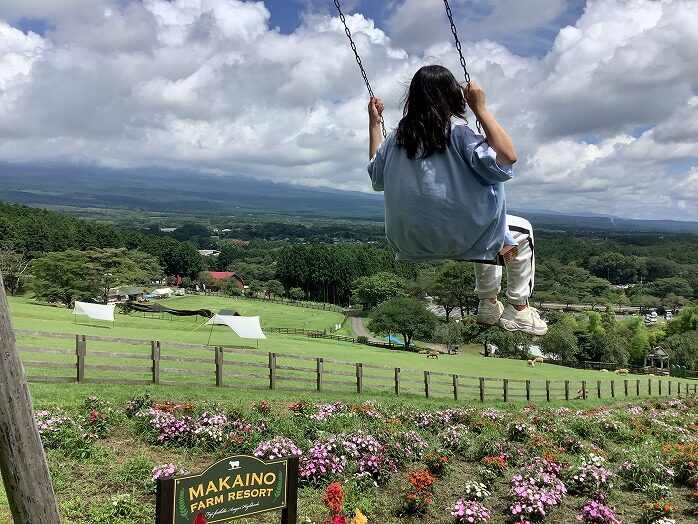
(601, 97)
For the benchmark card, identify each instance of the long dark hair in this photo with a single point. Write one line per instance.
(434, 96)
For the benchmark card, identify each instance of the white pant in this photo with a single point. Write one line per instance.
(520, 271)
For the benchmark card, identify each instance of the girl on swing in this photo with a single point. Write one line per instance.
(444, 193)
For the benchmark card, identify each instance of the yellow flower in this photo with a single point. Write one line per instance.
(359, 518)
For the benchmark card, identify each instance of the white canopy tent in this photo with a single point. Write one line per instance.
(244, 327)
(164, 292)
(95, 311)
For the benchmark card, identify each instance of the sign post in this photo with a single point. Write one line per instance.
(233, 487)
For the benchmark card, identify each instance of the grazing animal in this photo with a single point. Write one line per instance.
(538, 360)
(604, 370)
(423, 352)
(433, 354)
(530, 363)
(622, 371)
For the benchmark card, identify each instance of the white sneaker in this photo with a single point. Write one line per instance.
(488, 312)
(527, 321)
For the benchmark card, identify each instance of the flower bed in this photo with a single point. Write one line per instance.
(630, 464)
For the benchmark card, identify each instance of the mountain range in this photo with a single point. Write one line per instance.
(186, 193)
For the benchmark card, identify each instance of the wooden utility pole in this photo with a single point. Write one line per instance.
(23, 463)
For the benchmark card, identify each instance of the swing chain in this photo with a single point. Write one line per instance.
(458, 46)
(358, 58)
(449, 13)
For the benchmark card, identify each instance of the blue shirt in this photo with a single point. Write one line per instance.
(450, 205)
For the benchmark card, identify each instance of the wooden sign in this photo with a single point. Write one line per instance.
(233, 487)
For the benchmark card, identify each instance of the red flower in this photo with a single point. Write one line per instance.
(334, 498)
(200, 519)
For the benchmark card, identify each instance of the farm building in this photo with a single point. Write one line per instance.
(225, 275)
(123, 294)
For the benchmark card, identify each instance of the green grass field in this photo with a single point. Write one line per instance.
(296, 367)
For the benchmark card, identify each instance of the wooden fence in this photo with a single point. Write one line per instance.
(94, 359)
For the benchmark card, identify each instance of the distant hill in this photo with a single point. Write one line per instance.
(180, 192)
(189, 193)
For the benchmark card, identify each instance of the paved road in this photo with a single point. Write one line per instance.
(359, 328)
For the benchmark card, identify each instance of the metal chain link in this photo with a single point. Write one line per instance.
(358, 58)
(449, 14)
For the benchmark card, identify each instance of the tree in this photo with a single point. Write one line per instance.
(453, 287)
(683, 349)
(274, 288)
(685, 321)
(204, 278)
(62, 277)
(675, 285)
(560, 341)
(230, 287)
(372, 290)
(296, 293)
(254, 288)
(406, 316)
(449, 333)
(616, 348)
(72, 275)
(113, 267)
(13, 266)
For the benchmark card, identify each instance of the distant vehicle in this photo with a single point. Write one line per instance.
(669, 315)
(651, 318)
(180, 292)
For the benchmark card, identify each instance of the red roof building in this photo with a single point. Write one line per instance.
(225, 275)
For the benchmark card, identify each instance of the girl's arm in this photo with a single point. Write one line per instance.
(375, 134)
(497, 138)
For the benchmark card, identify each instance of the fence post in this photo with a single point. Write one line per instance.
(637, 387)
(649, 387)
(455, 387)
(427, 380)
(584, 389)
(669, 387)
(80, 351)
(505, 386)
(482, 389)
(660, 387)
(155, 357)
(547, 390)
(613, 389)
(625, 386)
(319, 369)
(528, 390)
(598, 388)
(359, 377)
(567, 389)
(397, 381)
(218, 357)
(272, 370)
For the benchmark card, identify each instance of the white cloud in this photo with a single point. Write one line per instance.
(209, 85)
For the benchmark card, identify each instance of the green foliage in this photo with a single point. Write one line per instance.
(376, 289)
(230, 288)
(683, 349)
(685, 321)
(509, 344)
(274, 288)
(296, 293)
(406, 316)
(205, 278)
(135, 474)
(67, 276)
(453, 287)
(449, 333)
(560, 341)
(13, 267)
(123, 508)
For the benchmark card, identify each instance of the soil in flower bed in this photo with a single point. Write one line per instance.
(623, 456)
